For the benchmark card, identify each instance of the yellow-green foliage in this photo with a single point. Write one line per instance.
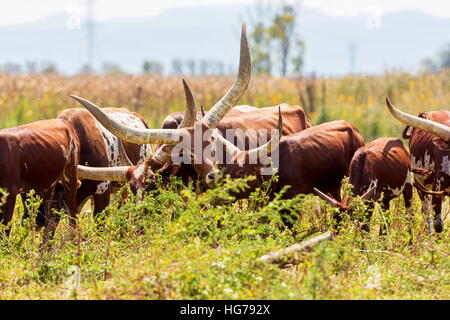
(176, 244)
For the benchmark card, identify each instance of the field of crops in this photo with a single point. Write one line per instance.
(176, 245)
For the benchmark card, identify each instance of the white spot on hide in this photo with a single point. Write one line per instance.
(102, 187)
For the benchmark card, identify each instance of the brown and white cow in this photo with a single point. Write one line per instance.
(221, 117)
(37, 156)
(99, 148)
(380, 170)
(429, 144)
(171, 137)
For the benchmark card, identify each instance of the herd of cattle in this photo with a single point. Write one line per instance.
(83, 154)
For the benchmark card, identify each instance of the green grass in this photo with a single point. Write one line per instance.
(175, 245)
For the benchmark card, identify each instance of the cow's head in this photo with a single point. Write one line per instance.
(197, 135)
(441, 131)
(141, 177)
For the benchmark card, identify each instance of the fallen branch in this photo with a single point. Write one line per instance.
(291, 254)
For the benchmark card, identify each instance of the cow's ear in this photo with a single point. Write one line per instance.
(407, 132)
(441, 144)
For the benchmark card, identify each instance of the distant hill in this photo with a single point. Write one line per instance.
(212, 32)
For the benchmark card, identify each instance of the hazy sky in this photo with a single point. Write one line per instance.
(13, 12)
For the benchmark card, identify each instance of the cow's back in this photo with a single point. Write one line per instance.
(251, 125)
(136, 153)
(92, 145)
(294, 119)
(38, 153)
(384, 161)
(318, 156)
(99, 147)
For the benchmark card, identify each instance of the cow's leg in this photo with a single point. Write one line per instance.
(84, 193)
(26, 214)
(70, 187)
(439, 184)
(437, 206)
(407, 197)
(40, 216)
(385, 206)
(7, 211)
(426, 209)
(101, 201)
(51, 220)
(71, 193)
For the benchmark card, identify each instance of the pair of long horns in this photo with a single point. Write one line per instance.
(172, 136)
(366, 196)
(436, 128)
(256, 153)
(120, 173)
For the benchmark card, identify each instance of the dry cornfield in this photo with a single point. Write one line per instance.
(359, 99)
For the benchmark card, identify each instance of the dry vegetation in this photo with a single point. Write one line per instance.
(359, 99)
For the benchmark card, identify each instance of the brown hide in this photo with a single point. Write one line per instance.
(132, 149)
(385, 163)
(92, 145)
(318, 156)
(426, 155)
(173, 120)
(93, 151)
(384, 160)
(294, 120)
(37, 156)
(34, 156)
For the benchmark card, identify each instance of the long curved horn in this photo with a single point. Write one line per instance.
(189, 117)
(123, 155)
(269, 147)
(103, 174)
(230, 99)
(191, 108)
(132, 135)
(325, 197)
(369, 193)
(423, 124)
(230, 147)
